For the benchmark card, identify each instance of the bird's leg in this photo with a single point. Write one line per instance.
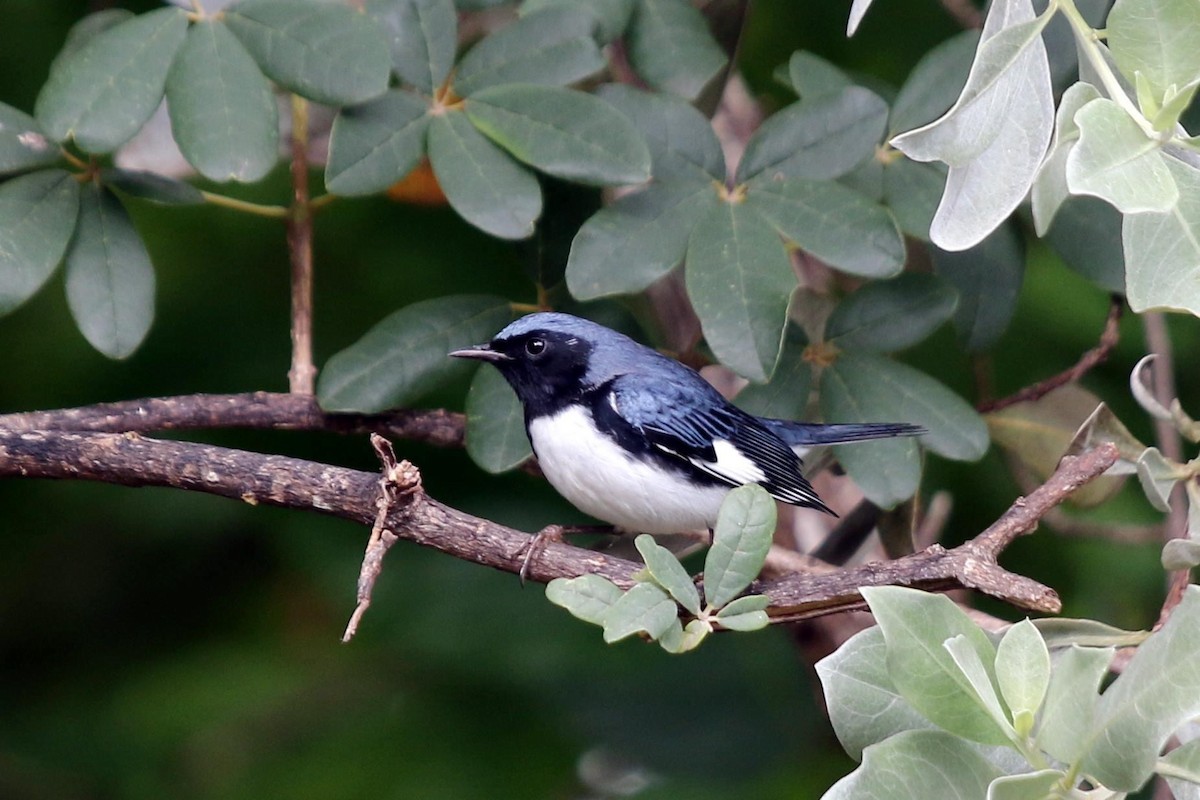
(551, 533)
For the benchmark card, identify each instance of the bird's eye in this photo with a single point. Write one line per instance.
(535, 346)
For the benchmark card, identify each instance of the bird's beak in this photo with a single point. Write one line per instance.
(483, 352)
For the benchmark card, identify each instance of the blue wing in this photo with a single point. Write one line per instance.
(690, 421)
(810, 433)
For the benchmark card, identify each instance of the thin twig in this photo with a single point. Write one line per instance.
(1108, 340)
(303, 373)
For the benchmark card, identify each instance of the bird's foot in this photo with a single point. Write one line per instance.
(551, 533)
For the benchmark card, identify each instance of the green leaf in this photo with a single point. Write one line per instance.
(1183, 762)
(404, 356)
(1162, 251)
(22, 143)
(1023, 672)
(88, 27)
(1116, 161)
(995, 136)
(863, 703)
(741, 539)
(1038, 433)
(37, 217)
(612, 16)
(679, 639)
(1158, 690)
(1158, 477)
(671, 48)
(988, 277)
(554, 47)
(915, 624)
(373, 145)
(563, 132)
(668, 573)
(934, 83)
(482, 183)
(1086, 234)
(422, 36)
(643, 609)
(740, 280)
(223, 114)
(744, 605)
(745, 621)
(682, 144)
(1071, 698)
(811, 76)
(152, 186)
(885, 316)
(1027, 786)
(102, 93)
(630, 244)
(327, 52)
(871, 388)
(496, 439)
(588, 597)
(785, 396)
(1157, 40)
(836, 224)
(1050, 188)
(978, 680)
(110, 281)
(911, 191)
(819, 139)
(918, 765)
(1064, 632)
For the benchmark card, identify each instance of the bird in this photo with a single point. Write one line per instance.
(641, 441)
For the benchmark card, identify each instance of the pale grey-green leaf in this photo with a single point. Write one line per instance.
(885, 316)
(836, 224)
(1183, 763)
(934, 83)
(588, 597)
(643, 609)
(109, 278)
(978, 680)
(102, 93)
(819, 139)
(405, 355)
(1050, 190)
(1064, 632)
(373, 145)
(741, 539)
(630, 244)
(1181, 554)
(223, 113)
(988, 278)
(864, 705)
(668, 573)
(1162, 251)
(554, 46)
(422, 35)
(744, 605)
(1158, 477)
(496, 438)
(918, 765)
(745, 621)
(1028, 786)
(739, 280)
(23, 145)
(1156, 692)
(1071, 696)
(1116, 161)
(37, 217)
(482, 182)
(569, 134)
(1156, 38)
(1023, 668)
(683, 147)
(671, 48)
(327, 52)
(680, 639)
(915, 625)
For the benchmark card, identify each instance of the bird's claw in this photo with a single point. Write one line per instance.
(536, 544)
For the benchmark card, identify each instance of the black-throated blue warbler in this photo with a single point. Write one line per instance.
(638, 439)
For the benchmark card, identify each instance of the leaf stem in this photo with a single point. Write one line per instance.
(303, 373)
(245, 206)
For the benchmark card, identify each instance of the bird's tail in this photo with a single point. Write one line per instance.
(809, 433)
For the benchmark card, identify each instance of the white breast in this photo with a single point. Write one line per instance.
(601, 478)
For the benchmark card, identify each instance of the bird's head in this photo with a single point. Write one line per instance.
(548, 358)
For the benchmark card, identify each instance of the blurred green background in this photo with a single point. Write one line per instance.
(159, 644)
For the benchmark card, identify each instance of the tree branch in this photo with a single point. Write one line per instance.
(133, 460)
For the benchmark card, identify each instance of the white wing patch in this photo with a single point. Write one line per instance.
(731, 464)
